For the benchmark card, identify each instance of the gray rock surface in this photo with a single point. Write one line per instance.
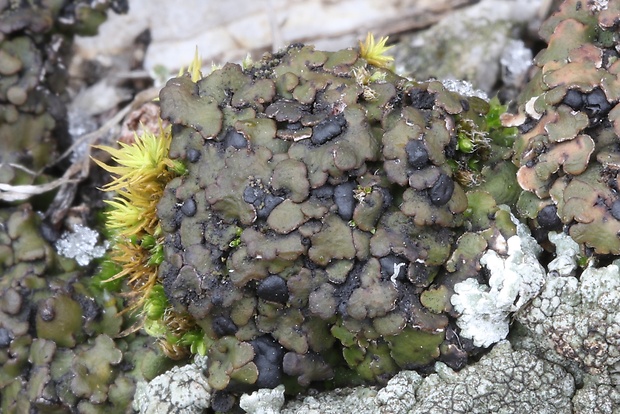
(263, 401)
(598, 396)
(575, 322)
(467, 44)
(579, 319)
(227, 31)
(504, 381)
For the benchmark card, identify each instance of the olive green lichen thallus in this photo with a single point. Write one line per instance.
(568, 119)
(320, 202)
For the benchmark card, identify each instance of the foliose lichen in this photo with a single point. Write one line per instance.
(514, 280)
(35, 47)
(57, 352)
(567, 151)
(327, 210)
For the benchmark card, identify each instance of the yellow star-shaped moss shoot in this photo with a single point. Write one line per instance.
(141, 163)
(194, 68)
(374, 52)
(141, 172)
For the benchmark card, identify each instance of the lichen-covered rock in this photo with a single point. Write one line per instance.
(503, 381)
(468, 43)
(342, 400)
(180, 390)
(328, 196)
(578, 318)
(599, 395)
(263, 401)
(567, 151)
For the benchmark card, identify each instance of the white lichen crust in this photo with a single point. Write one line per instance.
(81, 245)
(504, 381)
(359, 400)
(515, 280)
(399, 393)
(181, 390)
(575, 321)
(263, 401)
(397, 397)
(580, 318)
(597, 396)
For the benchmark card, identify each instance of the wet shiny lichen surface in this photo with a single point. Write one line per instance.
(328, 209)
(567, 151)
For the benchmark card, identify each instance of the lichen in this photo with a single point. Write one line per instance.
(33, 93)
(567, 149)
(324, 195)
(56, 330)
(582, 325)
(503, 381)
(485, 311)
(180, 390)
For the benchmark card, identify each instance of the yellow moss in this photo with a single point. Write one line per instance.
(194, 67)
(141, 163)
(141, 172)
(374, 52)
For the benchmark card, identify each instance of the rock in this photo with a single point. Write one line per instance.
(263, 401)
(231, 30)
(504, 381)
(466, 44)
(579, 317)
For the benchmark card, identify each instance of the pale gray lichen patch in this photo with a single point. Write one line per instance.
(358, 400)
(399, 393)
(464, 88)
(515, 280)
(263, 401)
(579, 317)
(181, 390)
(567, 251)
(515, 61)
(504, 381)
(599, 395)
(397, 397)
